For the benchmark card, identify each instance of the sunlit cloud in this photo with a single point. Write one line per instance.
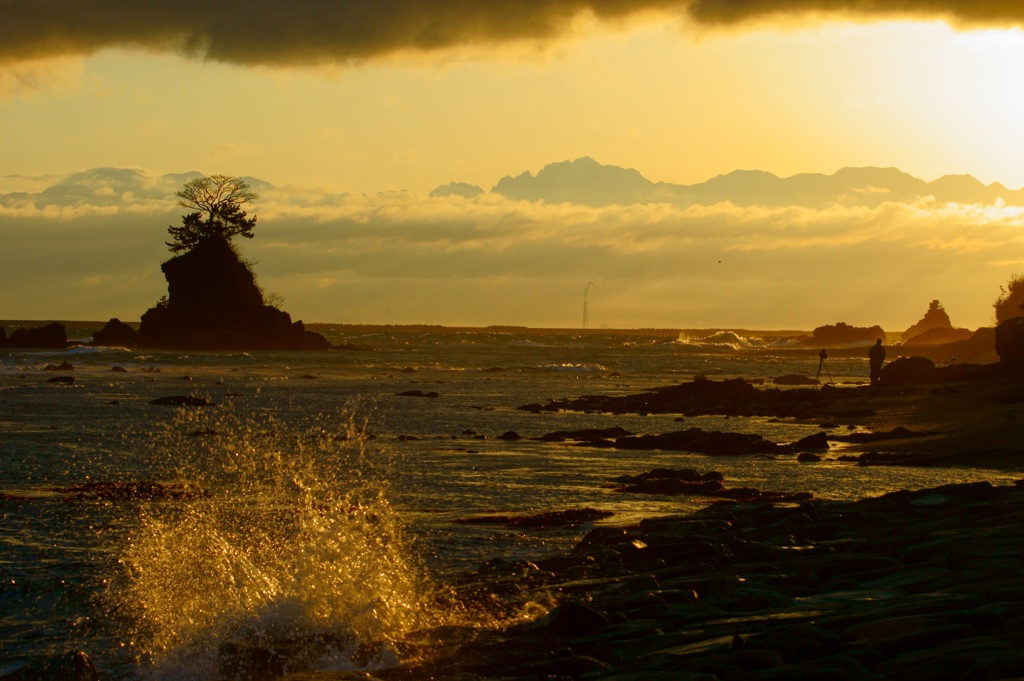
(30, 77)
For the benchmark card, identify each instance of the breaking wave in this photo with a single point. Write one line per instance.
(291, 559)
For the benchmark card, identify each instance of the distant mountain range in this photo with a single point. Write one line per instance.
(585, 181)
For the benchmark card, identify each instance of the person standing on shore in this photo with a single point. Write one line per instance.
(876, 356)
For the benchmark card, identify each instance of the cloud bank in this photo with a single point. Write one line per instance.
(90, 247)
(312, 32)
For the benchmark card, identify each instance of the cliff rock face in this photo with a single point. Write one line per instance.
(213, 303)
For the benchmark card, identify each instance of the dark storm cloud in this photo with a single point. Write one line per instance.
(286, 31)
(306, 32)
(966, 12)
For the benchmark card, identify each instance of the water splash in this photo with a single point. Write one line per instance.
(294, 552)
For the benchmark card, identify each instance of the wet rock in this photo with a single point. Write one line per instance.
(685, 474)
(898, 433)
(586, 434)
(182, 401)
(672, 486)
(64, 380)
(417, 393)
(119, 369)
(808, 457)
(72, 666)
(700, 441)
(567, 518)
(817, 441)
(63, 366)
(510, 435)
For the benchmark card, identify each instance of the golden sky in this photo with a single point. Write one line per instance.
(328, 98)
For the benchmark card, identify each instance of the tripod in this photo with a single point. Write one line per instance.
(822, 356)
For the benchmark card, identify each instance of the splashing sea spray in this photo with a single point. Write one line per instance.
(292, 545)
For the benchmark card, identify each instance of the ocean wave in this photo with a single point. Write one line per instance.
(723, 341)
(569, 366)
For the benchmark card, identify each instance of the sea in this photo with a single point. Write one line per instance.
(320, 498)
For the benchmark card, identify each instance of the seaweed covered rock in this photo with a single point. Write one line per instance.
(213, 303)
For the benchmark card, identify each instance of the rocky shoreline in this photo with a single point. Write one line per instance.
(910, 585)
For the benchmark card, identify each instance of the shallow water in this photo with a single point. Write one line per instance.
(328, 501)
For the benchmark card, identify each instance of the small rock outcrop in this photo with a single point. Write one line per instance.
(934, 328)
(213, 303)
(116, 333)
(841, 333)
(53, 335)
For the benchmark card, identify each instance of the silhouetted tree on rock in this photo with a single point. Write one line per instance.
(213, 301)
(218, 201)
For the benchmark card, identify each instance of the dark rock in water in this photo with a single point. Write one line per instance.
(733, 397)
(907, 370)
(73, 666)
(672, 487)
(897, 433)
(52, 335)
(685, 474)
(568, 518)
(586, 434)
(116, 333)
(65, 380)
(63, 366)
(816, 441)
(701, 441)
(417, 393)
(510, 435)
(182, 401)
(844, 334)
(808, 457)
(214, 303)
